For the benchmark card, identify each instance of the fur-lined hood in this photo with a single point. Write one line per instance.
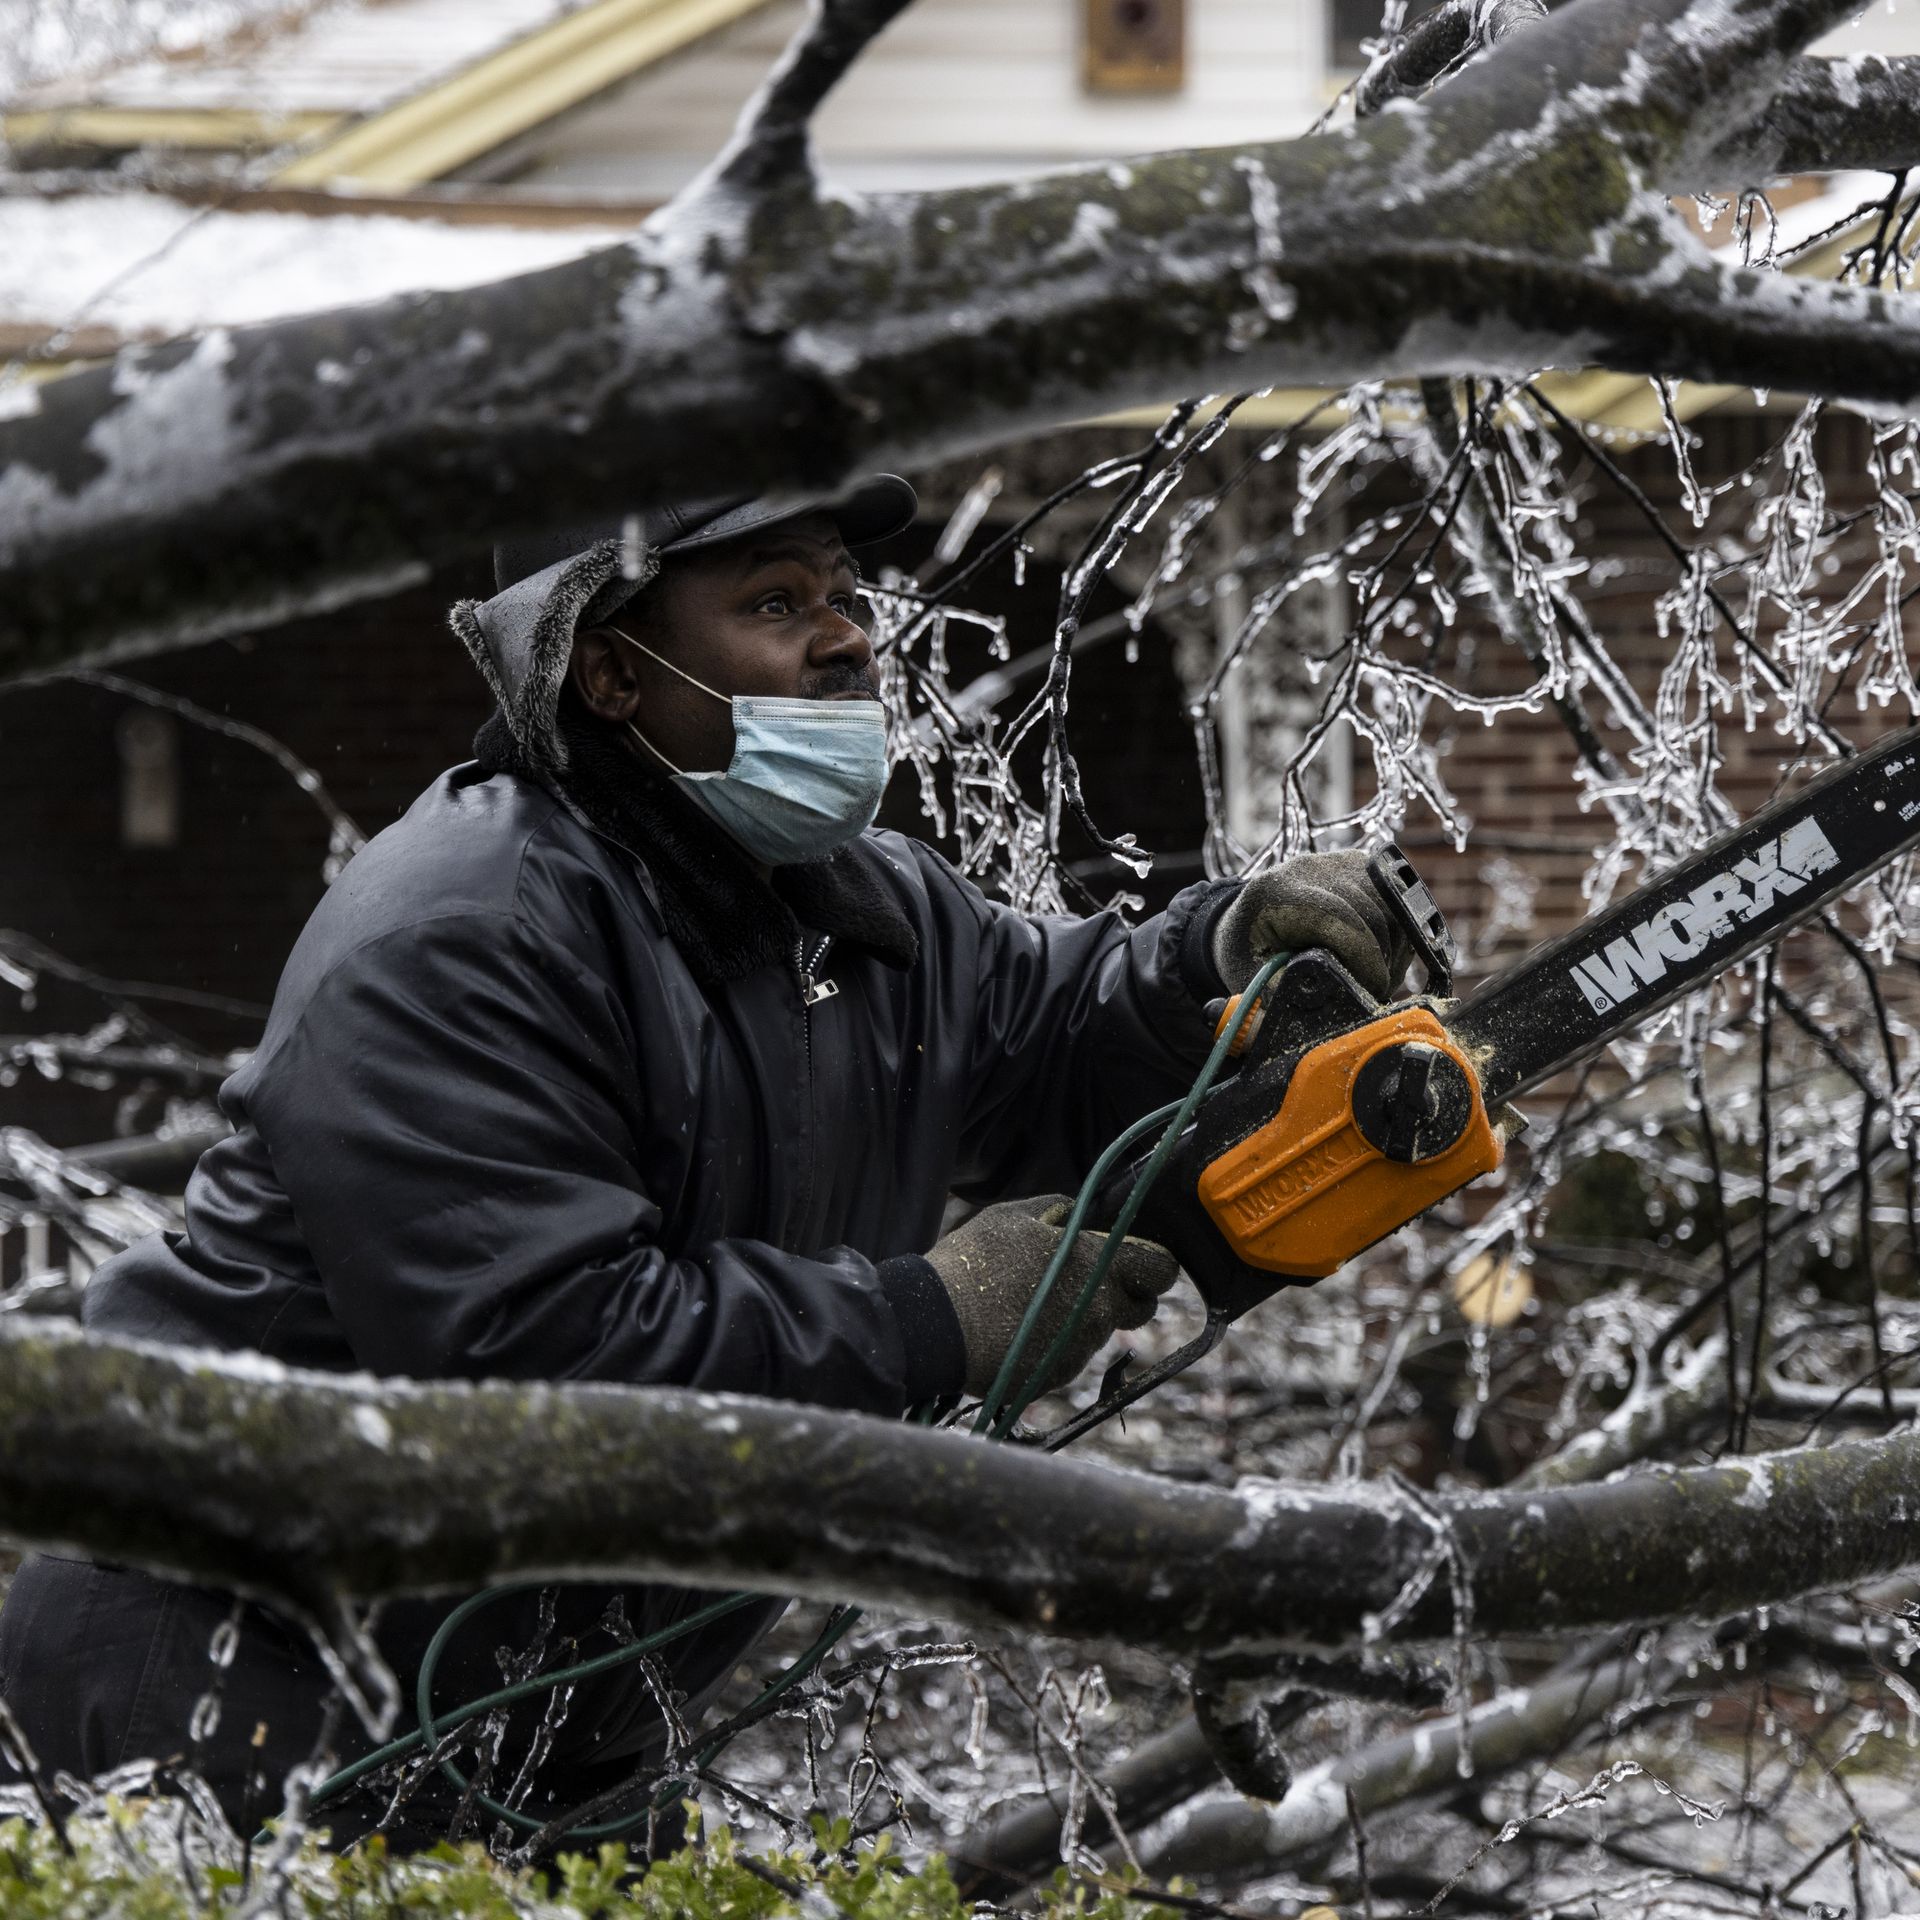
(522, 639)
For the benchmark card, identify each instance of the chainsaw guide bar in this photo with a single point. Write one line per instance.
(1349, 1118)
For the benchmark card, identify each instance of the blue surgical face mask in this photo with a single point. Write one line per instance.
(806, 775)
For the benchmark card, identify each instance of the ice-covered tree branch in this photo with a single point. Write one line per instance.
(1829, 116)
(1435, 43)
(296, 1486)
(1233, 1840)
(765, 333)
(772, 140)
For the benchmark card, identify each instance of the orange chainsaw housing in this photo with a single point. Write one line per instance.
(1308, 1190)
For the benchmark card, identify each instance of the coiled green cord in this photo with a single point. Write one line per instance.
(430, 1731)
(998, 1415)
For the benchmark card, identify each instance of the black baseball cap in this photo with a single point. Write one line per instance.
(871, 509)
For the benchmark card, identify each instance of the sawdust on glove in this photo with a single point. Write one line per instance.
(992, 1266)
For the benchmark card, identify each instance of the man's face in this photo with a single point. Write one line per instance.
(772, 612)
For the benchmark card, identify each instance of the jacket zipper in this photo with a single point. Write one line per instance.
(812, 991)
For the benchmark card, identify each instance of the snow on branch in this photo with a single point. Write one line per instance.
(762, 332)
(302, 1488)
(1830, 116)
(1436, 43)
(771, 144)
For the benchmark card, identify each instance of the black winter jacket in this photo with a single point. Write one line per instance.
(498, 1124)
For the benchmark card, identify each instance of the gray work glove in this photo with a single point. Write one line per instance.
(1314, 900)
(992, 1266)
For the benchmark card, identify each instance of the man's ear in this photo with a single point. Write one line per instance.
(601, 673)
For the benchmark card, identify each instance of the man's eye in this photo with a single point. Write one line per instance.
(776, 603)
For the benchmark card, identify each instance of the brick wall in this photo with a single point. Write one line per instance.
(375, 700)
(1515, 778)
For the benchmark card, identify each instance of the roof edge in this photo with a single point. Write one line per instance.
(509, 92)
(219, 129)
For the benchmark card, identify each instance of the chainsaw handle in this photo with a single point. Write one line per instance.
(1311, 995)
(1172, 1216)
(1409, 899)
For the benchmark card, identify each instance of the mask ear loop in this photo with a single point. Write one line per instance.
(671, 668)
(652, 749)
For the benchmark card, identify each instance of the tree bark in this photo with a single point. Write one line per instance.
(1830, 116)
(1436, 42)
(761, 333)
(304, 1487)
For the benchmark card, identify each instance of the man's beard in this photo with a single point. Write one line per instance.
(841, 680)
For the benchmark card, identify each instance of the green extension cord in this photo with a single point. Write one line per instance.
(998, 1416)
(1181, 1112)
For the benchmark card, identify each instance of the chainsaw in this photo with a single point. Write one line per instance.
(1349, 1117)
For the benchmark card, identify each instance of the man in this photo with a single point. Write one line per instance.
(631, 1054)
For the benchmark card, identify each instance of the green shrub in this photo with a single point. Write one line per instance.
(149, 1860)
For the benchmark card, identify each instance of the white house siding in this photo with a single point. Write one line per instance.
(953, 91)
(1888, 26)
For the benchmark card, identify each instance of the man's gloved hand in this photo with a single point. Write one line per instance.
(1314, 900)
(992, 1266)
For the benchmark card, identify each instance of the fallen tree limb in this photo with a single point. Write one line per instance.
(1170, 1769)
(304, 1487)
(763, 333)
(1650, 1416)
(1019, 1847)
(1175, 1766)
(1665, 1407)
(1236, 1839)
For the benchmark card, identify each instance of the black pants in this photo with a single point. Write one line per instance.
(103, 1666)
